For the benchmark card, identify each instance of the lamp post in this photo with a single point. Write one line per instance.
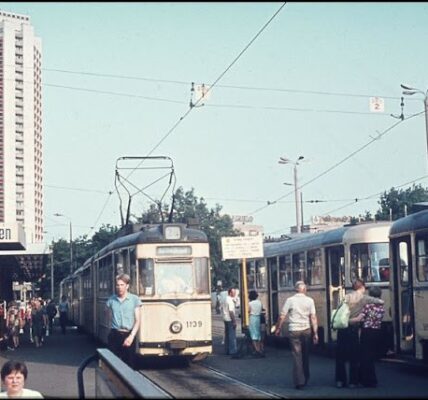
(285, 160)
(71, 240)
(411, 91)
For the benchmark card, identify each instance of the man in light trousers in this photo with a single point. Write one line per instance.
(301, 314)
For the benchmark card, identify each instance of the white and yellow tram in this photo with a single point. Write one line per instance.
(328, 262)
(170, 272)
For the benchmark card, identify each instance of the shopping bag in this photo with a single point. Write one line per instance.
(340, 316)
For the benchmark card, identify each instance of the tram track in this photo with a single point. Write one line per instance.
(199, 381)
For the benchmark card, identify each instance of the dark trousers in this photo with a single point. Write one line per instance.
(370, 341)
(300, 342)
(348, 350)
(115, 344)
(63, 321)
(230, 344)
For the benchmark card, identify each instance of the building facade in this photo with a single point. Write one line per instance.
(21, 150)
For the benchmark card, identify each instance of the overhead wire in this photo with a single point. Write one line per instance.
(338, 163)
(176, 124)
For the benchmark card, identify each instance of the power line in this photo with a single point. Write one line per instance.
(337, 164)
(172, 129)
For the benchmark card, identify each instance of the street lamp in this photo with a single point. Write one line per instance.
(71, 241)
(285, 160)
(411, 91)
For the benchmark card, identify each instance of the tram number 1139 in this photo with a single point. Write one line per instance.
(193, 324)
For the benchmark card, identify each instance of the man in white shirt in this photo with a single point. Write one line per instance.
(301, 313)
(229, 319)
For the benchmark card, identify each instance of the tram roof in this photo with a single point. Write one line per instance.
(412, 222)
(150, 234)
(312, 240)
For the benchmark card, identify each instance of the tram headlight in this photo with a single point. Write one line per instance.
(176, 327)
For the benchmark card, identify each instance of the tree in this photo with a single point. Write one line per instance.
(395, 202)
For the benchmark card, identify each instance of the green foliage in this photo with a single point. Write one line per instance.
(397, 200)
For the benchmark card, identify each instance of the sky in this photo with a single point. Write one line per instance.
(284, 79)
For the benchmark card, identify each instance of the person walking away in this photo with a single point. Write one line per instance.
(371, 318)
(51, 311)
(13, 375)
(124, 309)
(63, 308)
(301, 313)
(348, 340)
(229, 319)
(255, 309)
(39, 322)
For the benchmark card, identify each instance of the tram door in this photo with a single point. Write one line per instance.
(335, 284)
(403, 292)
(272, 266)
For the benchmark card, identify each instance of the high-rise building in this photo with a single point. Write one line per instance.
(21, 168)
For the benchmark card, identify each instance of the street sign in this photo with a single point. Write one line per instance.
(236, 247)
(377, 104)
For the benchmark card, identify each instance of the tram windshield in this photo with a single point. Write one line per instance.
(165, 278)
(370, 262)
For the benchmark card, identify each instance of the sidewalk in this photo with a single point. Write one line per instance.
(52, 368)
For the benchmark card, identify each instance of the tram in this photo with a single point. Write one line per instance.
(409, 260)
(169, 268)
(328, 262)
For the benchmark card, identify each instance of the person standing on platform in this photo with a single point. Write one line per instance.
(255, 309)
(13, 376)
(125, 320)
(63, 313)
(229, 319)
(348, 339)
(371, 337)
(301, 313)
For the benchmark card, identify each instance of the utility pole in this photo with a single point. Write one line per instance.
(52, 274)
(285, 160)
(411, 91)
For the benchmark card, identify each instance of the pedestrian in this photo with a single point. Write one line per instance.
(255, 309)
(13, 376)
(301, 314)
(370, 339)
(51, 311)
(125, 320)
(348, 339)
(39, 321)
(63, 308)
(229, 319)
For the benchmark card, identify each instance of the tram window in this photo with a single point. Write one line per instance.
(133, 271)
(299, 264)
(251, 272)
(260, 275)
(422, 260)
(146, 273)
(201, 275)
(174, 278)
(285, 274)
(404, 265)
(273, 268)
(368, 261)
(314, 267)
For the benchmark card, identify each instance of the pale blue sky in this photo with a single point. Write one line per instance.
(324, 60)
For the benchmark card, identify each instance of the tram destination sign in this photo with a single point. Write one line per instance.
(236, 247)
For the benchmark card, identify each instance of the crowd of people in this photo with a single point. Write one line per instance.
(31, 320)
(357, 344)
